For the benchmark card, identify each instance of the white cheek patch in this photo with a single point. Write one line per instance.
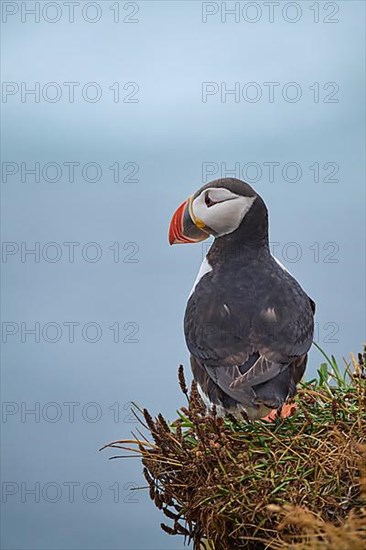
(219, 194)
(223, 217)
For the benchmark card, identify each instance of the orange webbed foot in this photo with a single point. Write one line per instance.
(288, 409)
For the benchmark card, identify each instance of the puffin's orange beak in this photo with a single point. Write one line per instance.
(182, 227)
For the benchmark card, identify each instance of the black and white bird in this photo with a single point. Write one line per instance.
(248, 323)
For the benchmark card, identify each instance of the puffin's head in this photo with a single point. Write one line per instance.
(218, 208)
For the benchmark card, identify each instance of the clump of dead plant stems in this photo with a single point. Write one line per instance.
(295, 484)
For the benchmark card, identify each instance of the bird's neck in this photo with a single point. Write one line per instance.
(249, 242)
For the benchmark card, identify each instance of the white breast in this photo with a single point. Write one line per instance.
(205, 268)
(281, 265)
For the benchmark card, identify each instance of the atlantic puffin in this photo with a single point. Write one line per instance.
(248, 323)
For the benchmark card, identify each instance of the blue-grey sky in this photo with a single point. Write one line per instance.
(151, 99)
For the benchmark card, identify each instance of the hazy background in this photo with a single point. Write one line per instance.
(168, 133)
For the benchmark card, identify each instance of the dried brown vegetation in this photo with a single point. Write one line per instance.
(298, 483)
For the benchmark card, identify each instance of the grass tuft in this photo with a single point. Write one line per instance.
(293, 484)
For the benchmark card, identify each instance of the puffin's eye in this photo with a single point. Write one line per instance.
(208, 201)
